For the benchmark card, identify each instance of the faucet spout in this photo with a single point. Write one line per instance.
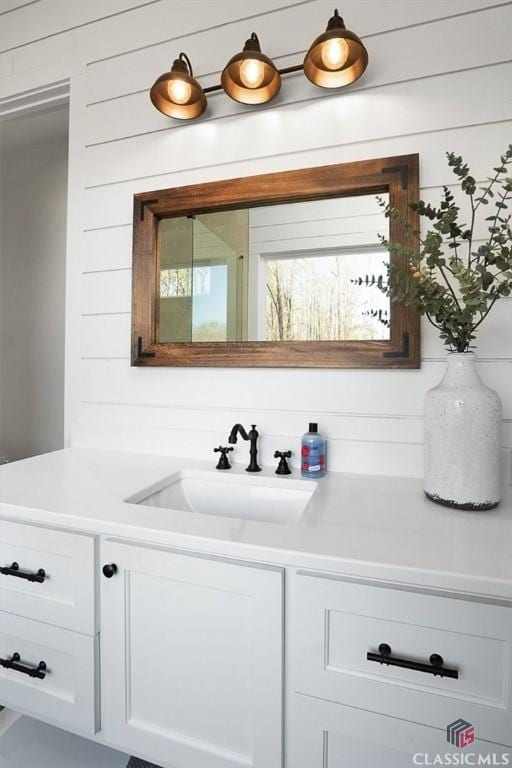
(233, 435)
(252, 437)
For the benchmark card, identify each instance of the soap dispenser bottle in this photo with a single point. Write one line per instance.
(313, 453)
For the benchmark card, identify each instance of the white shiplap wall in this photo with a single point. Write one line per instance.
(439, 79)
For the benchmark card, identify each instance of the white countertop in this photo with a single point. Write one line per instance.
(364, 526)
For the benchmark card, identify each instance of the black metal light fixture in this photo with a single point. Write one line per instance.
(177, 93)
(250, 77)
(336, 58)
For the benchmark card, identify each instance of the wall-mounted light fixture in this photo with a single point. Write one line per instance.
(251, 77)
(177, 93)
(336, 58)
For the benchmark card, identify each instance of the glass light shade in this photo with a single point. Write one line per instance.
(335, 58)
(250, 77)
(177, 94)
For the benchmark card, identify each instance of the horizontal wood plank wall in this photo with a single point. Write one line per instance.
(435, 83)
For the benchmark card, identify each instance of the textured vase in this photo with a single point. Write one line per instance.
(463, 438)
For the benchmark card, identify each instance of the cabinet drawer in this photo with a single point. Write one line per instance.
(326, 735)
(67, 694)
(339, 622)
(65, 595)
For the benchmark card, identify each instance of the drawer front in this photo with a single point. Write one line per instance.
(64, 595)
(67, 692)
(338, 623)
(326, 735)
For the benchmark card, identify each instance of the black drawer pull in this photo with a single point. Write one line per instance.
(434, 668)
(14, 570)
(14, 663)
(109, 570)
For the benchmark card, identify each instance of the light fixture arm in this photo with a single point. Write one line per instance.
(253, 43)
(289, 70)
(183, 57)
(335, 22)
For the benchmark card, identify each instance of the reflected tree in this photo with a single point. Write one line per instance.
(313, 299)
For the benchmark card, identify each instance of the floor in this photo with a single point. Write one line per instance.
(27, 743)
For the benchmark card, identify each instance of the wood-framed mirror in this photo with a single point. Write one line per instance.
(263, 271)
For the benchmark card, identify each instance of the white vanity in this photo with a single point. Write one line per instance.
(207, 641)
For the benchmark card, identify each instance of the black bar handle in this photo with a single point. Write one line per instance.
(14, 570)
(14, 663)
(436, 666)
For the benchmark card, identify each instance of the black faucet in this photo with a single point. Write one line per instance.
(252, 436)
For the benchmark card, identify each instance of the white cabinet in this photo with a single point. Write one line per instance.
(191, 658)
(191, 651)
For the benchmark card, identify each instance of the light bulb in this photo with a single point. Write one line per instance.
(252, 73)
(334, 53)
(179, 91)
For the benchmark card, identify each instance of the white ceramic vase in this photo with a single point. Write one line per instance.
(463, 438)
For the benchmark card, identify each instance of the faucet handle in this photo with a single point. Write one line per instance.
(223, 462)
(283, 467)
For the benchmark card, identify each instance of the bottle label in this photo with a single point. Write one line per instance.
(313, 458)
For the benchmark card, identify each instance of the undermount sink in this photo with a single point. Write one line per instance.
(267, 499)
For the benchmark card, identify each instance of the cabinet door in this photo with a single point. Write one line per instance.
(191, 659)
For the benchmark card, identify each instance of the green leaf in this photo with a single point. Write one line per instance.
(487, 280)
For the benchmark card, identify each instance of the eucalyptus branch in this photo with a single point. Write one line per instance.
(471, 228)
(455, 246)
(429, 318)
(449, 285)
(491, 305)
(456, 295)
(488, 190)
(501, 202)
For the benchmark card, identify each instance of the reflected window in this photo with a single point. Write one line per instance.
(209, 311)
(185, 282)
(314, 297)
(175, 282)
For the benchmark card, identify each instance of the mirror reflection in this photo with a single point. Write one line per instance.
(274, 273)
